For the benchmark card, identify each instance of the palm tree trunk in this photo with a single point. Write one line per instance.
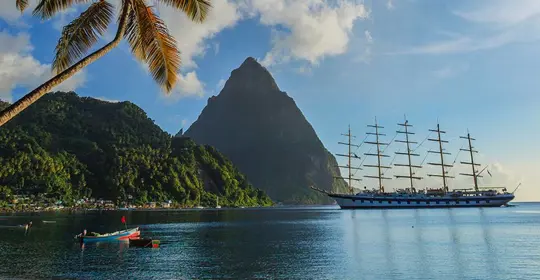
(27, 100)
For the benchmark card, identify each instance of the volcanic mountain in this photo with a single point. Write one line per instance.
(267, 137)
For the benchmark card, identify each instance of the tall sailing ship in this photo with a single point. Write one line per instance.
(412, 196)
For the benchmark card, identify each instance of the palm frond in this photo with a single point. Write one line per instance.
(196, 10)
(133, 36)
(79, 35)
(48, 8)
(153, 44)
(21, 5)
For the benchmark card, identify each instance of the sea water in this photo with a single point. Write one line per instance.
(280, 243)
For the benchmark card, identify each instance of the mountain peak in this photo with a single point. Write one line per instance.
(266, 135)
(250, 78)
(250, 61)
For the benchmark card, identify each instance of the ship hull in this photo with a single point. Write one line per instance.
(383, 202)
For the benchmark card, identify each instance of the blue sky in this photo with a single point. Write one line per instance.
(469, 64)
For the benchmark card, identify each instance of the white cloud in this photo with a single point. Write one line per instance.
(303, 30)
(216, 48)
(306, 30)
(192, 39)
(180, 120)
(501, 12)
(12, 16)
(76, 81)
(497, 23)
(220, 84)
(525, 172)
(366, 55)
(64, 17)
(464, 44)
(390, 5)
(106, 99)
(191, 36)
(497, 175)
(9, 12)
(367, 34)
(306, 70)
(15, 44)
(18, 68)
(188, 85)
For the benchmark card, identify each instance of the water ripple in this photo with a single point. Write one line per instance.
(282, 243)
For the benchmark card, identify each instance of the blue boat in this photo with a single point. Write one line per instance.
(114, 236)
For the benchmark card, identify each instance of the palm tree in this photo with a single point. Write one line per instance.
(138, 23)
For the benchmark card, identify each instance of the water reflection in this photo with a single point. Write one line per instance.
(286, 244)
(491, 253)
(357, 251)
(389, 256)
(455, 244)
(420, 244)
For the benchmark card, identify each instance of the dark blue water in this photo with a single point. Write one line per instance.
(288, 243)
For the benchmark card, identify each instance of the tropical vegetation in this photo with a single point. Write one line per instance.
(67, 148)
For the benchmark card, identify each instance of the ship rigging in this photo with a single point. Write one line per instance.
(350, 156)
(412, 196)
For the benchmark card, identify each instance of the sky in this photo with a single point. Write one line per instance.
(469, 65)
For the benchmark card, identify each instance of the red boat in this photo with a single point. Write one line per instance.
(144, 242)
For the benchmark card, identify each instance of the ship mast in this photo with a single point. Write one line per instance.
(409, 154)
(350, 155)
(442, 153)
(379, 155)
(474, 174)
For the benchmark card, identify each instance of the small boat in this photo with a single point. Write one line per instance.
(144, 242)
(49, 222)
(114, 236)
(217, 203)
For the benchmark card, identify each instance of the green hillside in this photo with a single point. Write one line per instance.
(69, 147)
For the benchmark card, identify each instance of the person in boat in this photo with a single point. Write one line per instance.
(27, 227)
(92, 233)
(85, 233)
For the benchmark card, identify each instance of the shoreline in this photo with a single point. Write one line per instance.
(79, 210)
(4, 211)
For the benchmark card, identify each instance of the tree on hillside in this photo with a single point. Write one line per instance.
(138, 23)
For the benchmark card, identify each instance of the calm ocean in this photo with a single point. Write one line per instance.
(285, 243)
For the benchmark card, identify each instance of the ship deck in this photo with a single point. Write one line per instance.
(373, 201)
